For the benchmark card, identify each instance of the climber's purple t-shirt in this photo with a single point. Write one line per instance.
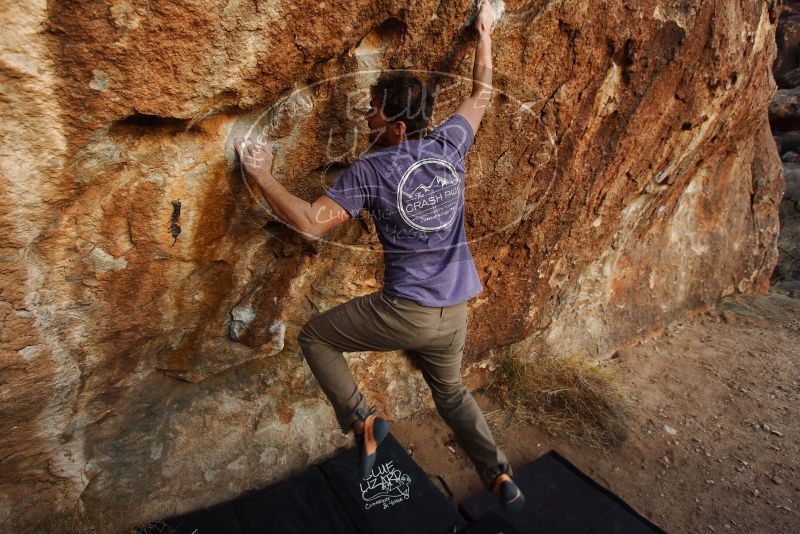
(414, 192)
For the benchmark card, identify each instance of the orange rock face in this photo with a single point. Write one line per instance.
(623, 177)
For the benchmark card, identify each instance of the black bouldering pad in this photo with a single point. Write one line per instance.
(561, 499)
(397, 498)
(302, 504)
(331, 498)
(490, 524)
(219, 519)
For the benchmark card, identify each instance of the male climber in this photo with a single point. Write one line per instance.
(414, 188)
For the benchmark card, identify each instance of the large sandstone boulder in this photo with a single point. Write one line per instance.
(624, 177)
(786, 68)
(784, 110)
(784, 117)
(787, 271)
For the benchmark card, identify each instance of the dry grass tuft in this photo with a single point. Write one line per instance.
(569, 397)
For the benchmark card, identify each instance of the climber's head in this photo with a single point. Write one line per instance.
(400, 108)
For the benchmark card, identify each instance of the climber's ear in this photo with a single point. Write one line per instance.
(399, 128)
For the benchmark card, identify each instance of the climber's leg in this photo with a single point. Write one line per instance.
(366, 323)
(440, 363)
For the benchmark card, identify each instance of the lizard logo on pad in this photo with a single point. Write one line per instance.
(385, 486)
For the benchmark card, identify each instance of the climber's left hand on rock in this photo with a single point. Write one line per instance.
(256, 159)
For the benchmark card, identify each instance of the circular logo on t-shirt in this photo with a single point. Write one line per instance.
(428, 194)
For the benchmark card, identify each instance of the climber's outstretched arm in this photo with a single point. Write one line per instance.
(475, 105)
(313, 220)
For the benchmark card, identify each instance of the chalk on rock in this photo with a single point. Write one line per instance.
(499, 7)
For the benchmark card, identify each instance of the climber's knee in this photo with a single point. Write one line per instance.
(449, 396)
(306, 339)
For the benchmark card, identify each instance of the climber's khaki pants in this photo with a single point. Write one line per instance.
(433, 337)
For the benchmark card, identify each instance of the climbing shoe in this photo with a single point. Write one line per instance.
(375, 429)
(507, 491)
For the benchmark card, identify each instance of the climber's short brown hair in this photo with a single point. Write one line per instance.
(404, 97)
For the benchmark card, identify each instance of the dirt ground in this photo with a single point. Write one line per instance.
(714, 436)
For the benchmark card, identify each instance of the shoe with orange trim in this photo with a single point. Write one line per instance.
(505, 488)
(375, 430)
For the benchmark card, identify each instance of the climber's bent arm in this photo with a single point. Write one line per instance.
(312, 220)
(475, 105)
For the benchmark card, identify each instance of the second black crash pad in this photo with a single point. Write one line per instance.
(561, 499)
(397, 497)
